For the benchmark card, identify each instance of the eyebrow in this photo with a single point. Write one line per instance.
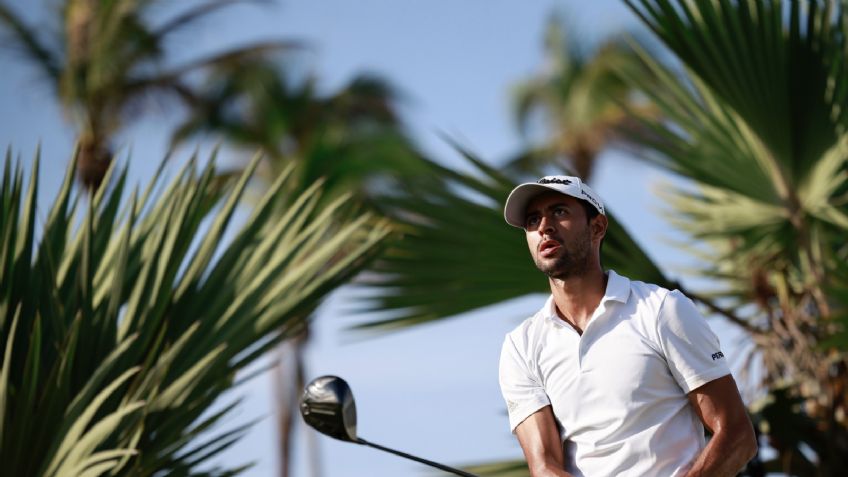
(552, 206)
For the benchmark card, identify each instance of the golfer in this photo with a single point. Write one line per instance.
(612, 377)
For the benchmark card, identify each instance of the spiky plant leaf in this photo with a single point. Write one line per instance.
(122, 327)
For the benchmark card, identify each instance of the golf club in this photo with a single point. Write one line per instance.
(327, 406)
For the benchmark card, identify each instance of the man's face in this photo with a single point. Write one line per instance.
(558, 234)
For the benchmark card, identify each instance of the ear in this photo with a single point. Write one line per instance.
(598, 226)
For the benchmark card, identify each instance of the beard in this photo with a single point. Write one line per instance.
(573, 259)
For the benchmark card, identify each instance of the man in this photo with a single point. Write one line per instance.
(612, 377)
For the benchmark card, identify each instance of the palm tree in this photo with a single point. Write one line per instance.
(107, 59)
(120, 330)
(757, 124)
(581, 97)
(351, 139)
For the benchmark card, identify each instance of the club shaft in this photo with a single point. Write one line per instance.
(417, 459)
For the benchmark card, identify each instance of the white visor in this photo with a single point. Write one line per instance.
(516, 203)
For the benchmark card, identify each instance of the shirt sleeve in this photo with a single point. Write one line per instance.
(691, 348)
(521, 389)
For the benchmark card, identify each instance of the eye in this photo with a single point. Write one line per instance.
(532, 220)
(560, 211)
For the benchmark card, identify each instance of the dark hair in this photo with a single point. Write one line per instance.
(591, 213)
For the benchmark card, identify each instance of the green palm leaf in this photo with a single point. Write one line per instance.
(123, 326)
(770, 173)
(782, 82)
(351, 138)
(456, 254)
(756, 122)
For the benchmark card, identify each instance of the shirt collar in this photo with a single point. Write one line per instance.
(618, 289)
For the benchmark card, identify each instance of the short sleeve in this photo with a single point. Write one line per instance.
(691, 348)
(521, 389)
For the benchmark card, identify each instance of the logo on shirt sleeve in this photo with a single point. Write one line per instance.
(511, 405)
(718, 355)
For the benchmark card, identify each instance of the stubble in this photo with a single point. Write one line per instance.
(573, 259)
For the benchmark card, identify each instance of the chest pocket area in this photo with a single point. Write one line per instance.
(620, 368)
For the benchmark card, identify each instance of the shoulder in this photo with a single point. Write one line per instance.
(646, 300)
(678, 311)
(655, 307)
(528, 332)
(660, 305)
(648, 293)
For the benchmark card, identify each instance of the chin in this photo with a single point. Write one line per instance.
(552, 271)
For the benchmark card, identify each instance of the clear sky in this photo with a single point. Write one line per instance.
(432, 390)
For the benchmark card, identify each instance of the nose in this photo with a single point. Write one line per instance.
(546, 225)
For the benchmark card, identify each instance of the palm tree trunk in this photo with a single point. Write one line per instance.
(583, 159)
(289, 383)
(93, 161)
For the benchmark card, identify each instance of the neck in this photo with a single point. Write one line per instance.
(576, 298)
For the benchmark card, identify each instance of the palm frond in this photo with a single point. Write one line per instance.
(351, 138)
(110, 61)
(26, 38)
(745, 191)
(755, 121)
(580, 97)
(193, 15)
(122, 327)
(785, 80)
(455, 254)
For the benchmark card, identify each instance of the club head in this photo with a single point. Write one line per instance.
(327, 406)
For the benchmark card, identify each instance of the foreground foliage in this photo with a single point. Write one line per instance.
(351, 138)
(122, 321)
(758, 123)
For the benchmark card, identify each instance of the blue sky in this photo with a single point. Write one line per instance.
(432, 390)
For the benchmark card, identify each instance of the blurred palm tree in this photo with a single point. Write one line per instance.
(121, 329)
(581, 96)
(105, 58)
(351, 139)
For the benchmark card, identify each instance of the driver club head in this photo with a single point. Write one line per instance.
(327, 406)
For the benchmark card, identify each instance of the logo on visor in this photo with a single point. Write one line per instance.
(592, 200)
(554, 181)
(718, 355)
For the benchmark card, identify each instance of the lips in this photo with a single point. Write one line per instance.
(548, 247)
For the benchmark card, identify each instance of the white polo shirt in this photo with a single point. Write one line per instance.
(618, 392)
